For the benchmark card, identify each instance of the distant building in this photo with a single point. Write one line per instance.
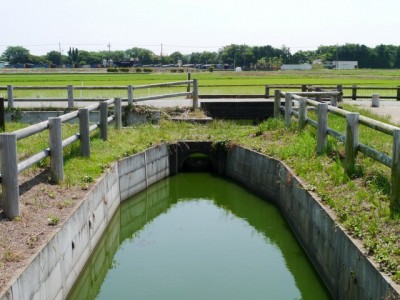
(344, 65)
(3, 64)
(296, 67)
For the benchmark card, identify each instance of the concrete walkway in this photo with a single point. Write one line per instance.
(389, 108)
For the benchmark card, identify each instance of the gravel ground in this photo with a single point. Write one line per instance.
(44, 207)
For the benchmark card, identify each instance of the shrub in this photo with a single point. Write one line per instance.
(211, 69)
(181, 70)
(138, 70)
(125, 70)
(112, 70)
(148, 70)
(173, 70)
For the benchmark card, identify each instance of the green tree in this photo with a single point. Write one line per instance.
(195, 58)
(301, 57)
(397, 58)
(73, 54)
(89, 58)
(141, 55)
(54, 57)
(175, 56)
(16, 54)
(286, 55)
(207, 57)
(35, 59)
(238, 55)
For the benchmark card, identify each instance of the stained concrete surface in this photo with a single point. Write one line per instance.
(389, 108)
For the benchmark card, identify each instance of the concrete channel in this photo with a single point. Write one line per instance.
(339, 259)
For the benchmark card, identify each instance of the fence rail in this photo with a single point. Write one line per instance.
(350, 138)
(11, 167)
(348, 91)
(353, 92)
(70, 99)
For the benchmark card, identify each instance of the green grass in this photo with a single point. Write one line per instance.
(209, 83)
(359, 200)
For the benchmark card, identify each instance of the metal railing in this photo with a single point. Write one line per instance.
(350, 138)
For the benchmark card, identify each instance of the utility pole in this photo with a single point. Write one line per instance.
(109, 47)
(59, 47)
(161, 54)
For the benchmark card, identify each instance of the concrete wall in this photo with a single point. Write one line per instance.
(296, 67)
(346, 271)
(54, 270)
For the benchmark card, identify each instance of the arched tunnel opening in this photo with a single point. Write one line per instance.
(197, 162)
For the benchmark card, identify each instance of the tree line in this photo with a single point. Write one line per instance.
(262, 57)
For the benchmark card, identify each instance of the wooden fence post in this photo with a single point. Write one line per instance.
(9, 174)
(103, 121)
(84, 133)
(352, 131)
(10, 96)
(70, 91)
(302, 113)
(354, 92)
(117, 113)
(267, 92)
(195, 94)
(322, 127)
(398, 93)
(334, 101)
(130, 95)
(395, 180)
(56, 150)
(277, 104)
(288, 109)
(318, 98)
(2, 115)
(188, 78)
(339, 88)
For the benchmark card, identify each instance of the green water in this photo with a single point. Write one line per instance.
(197, 236)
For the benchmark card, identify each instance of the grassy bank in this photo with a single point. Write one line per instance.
(360, 200)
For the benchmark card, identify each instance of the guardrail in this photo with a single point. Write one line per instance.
(129, 89)
(11, 167)
(350, 138)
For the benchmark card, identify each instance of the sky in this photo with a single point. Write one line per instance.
(195, 26)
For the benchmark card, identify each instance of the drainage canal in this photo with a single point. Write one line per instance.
(198, 236)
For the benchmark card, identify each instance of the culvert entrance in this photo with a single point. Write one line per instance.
(197, 156)
(197, 162)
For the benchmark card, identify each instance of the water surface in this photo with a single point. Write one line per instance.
(198, 236)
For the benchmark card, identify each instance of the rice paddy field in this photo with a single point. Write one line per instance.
(232, 83)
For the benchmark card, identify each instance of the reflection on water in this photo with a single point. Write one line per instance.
(197, 236)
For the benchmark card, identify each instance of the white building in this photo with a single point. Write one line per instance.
(3, 64)
(344, 65)
(297, 67)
